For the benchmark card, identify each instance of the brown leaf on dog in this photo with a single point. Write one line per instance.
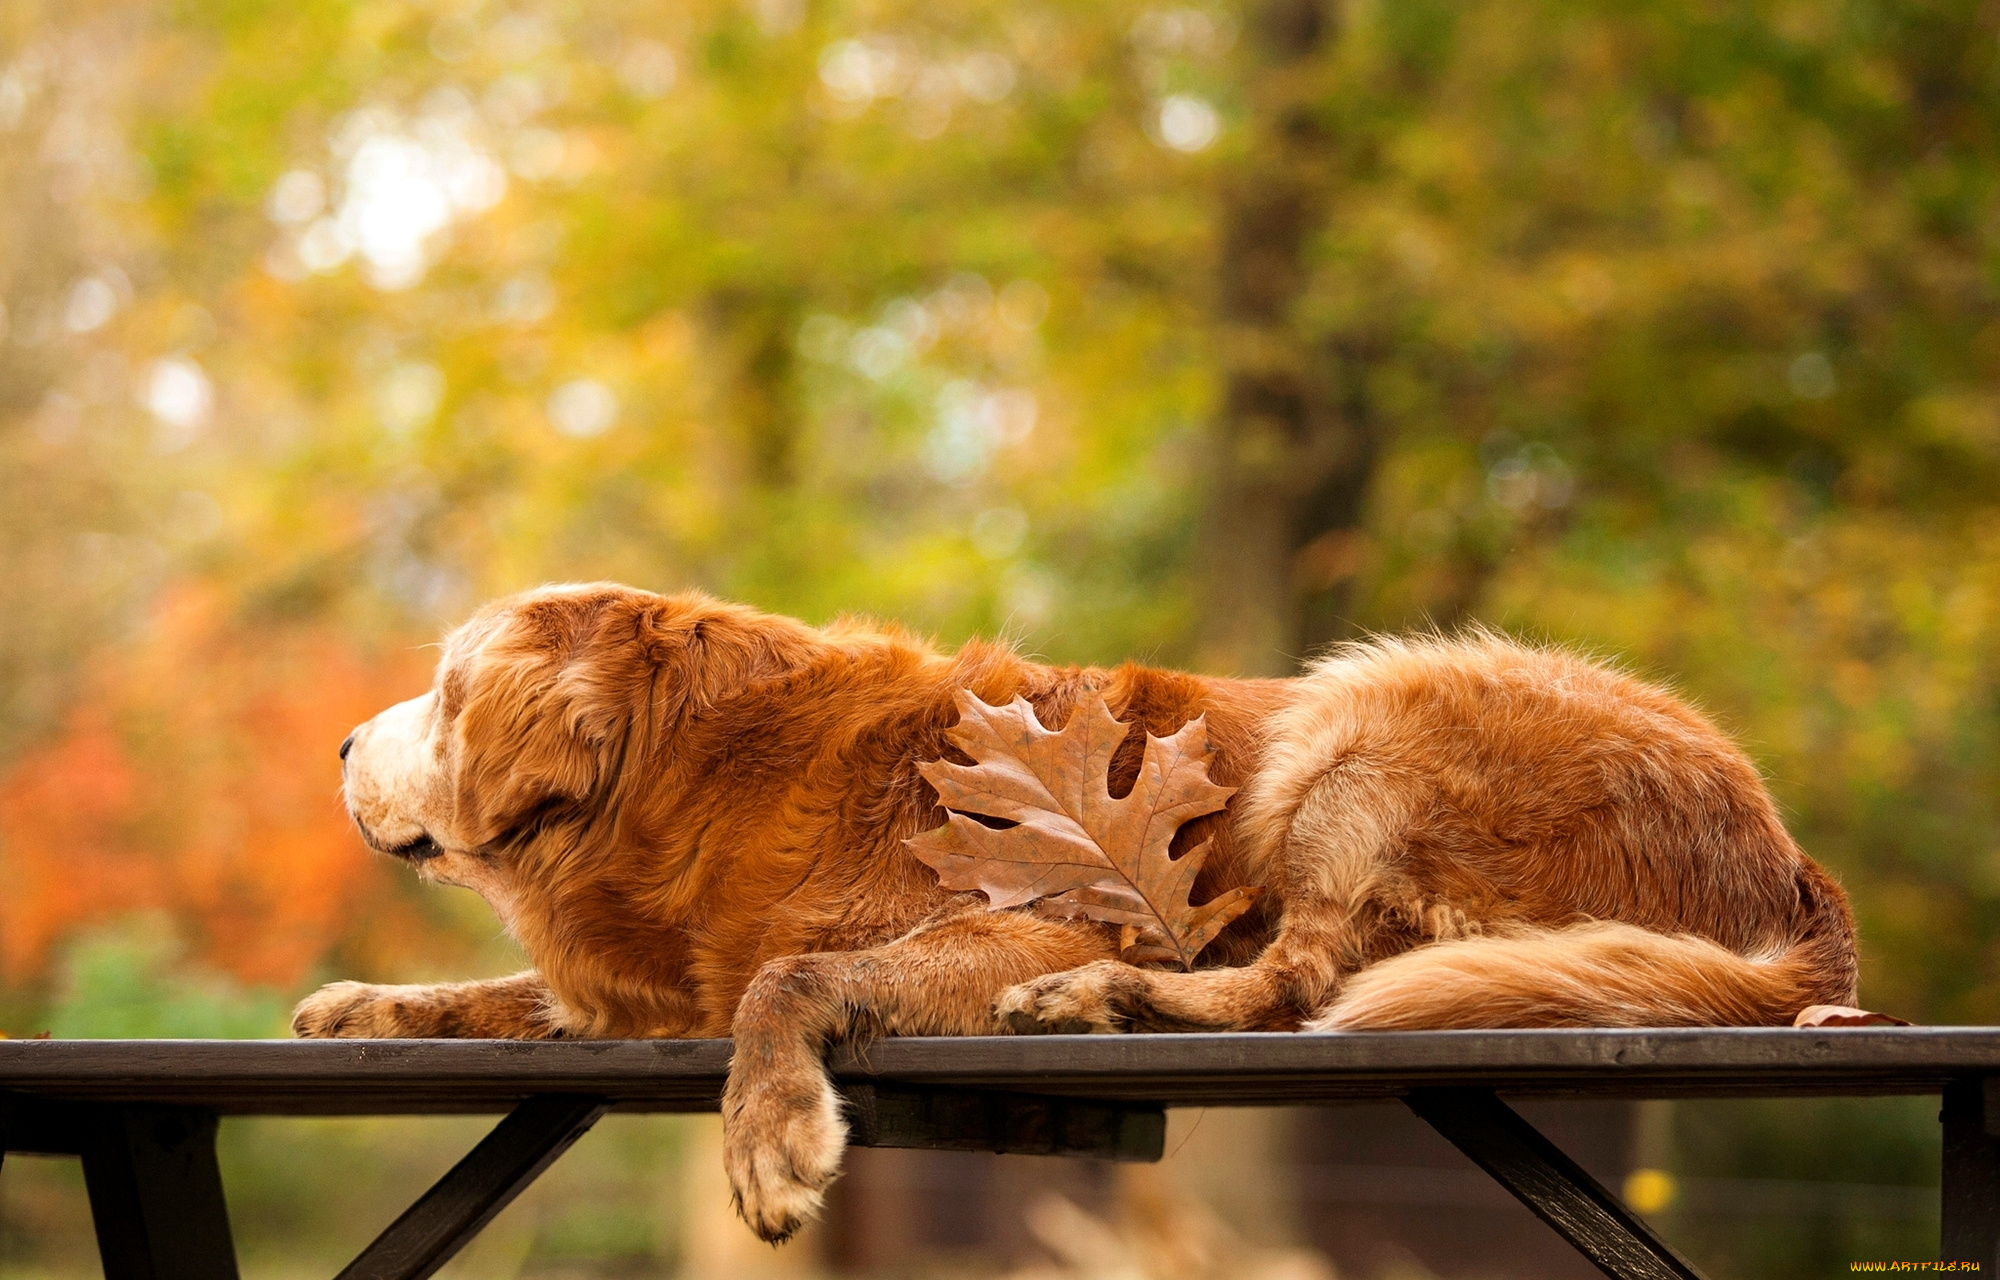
(1073, 850)
(1840, 1015)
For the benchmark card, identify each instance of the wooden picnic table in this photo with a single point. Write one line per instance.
(143, 1114)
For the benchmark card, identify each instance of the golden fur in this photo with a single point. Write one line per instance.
(692, 815)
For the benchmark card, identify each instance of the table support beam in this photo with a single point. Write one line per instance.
(155, 1190)
(45, 1126)
(477, 1188)
(1970, 1222)
(156, 1194)
(892, 1115)
(1552, 1185)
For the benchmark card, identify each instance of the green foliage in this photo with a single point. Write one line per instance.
(1803, 1187)
(125, 982)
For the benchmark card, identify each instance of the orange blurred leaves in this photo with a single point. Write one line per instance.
(197, 775)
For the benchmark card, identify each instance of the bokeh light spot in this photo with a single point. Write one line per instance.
(180, 397)
(1187, 123)
(583, 407)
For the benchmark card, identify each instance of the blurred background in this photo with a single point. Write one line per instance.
(1203, 334)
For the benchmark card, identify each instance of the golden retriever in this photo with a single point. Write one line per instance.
(692, 816)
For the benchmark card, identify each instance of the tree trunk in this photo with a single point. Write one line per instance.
(1294, 446)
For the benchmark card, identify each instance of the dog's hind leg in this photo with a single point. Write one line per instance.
(1294, 978)
(1334, 859)
(782, 1132)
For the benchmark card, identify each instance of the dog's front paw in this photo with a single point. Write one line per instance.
(782, 1138)
(1090, 1000)
(352, 1011)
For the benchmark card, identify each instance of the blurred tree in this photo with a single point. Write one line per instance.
(1172, 331)
(1665, 331)
(1294, 448)
(73, 508)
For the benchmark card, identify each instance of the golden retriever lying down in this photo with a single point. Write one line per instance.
(692, 816)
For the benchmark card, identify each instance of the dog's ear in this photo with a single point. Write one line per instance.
(545, 707)
(705, 654)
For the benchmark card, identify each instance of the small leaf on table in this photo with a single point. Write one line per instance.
(1840, 1015)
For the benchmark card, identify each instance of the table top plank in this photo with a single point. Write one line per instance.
(387, 1077)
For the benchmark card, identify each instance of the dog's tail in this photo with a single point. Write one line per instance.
(1600, 974)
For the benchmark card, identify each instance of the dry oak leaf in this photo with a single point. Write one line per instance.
(1075, 851)
(1840, 1015)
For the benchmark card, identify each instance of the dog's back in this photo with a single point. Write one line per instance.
(1520, 837)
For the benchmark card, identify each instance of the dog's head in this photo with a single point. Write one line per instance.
(542, 703)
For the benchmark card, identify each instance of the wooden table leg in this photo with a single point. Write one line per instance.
(1551, 1184)
(156, 1193)
(1970, 1224)
(478, 1187)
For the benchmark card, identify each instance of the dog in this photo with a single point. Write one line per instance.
(692, 816)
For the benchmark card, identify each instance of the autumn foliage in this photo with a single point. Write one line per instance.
(197, 776)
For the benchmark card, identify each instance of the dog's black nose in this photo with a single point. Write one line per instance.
(346, 745)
